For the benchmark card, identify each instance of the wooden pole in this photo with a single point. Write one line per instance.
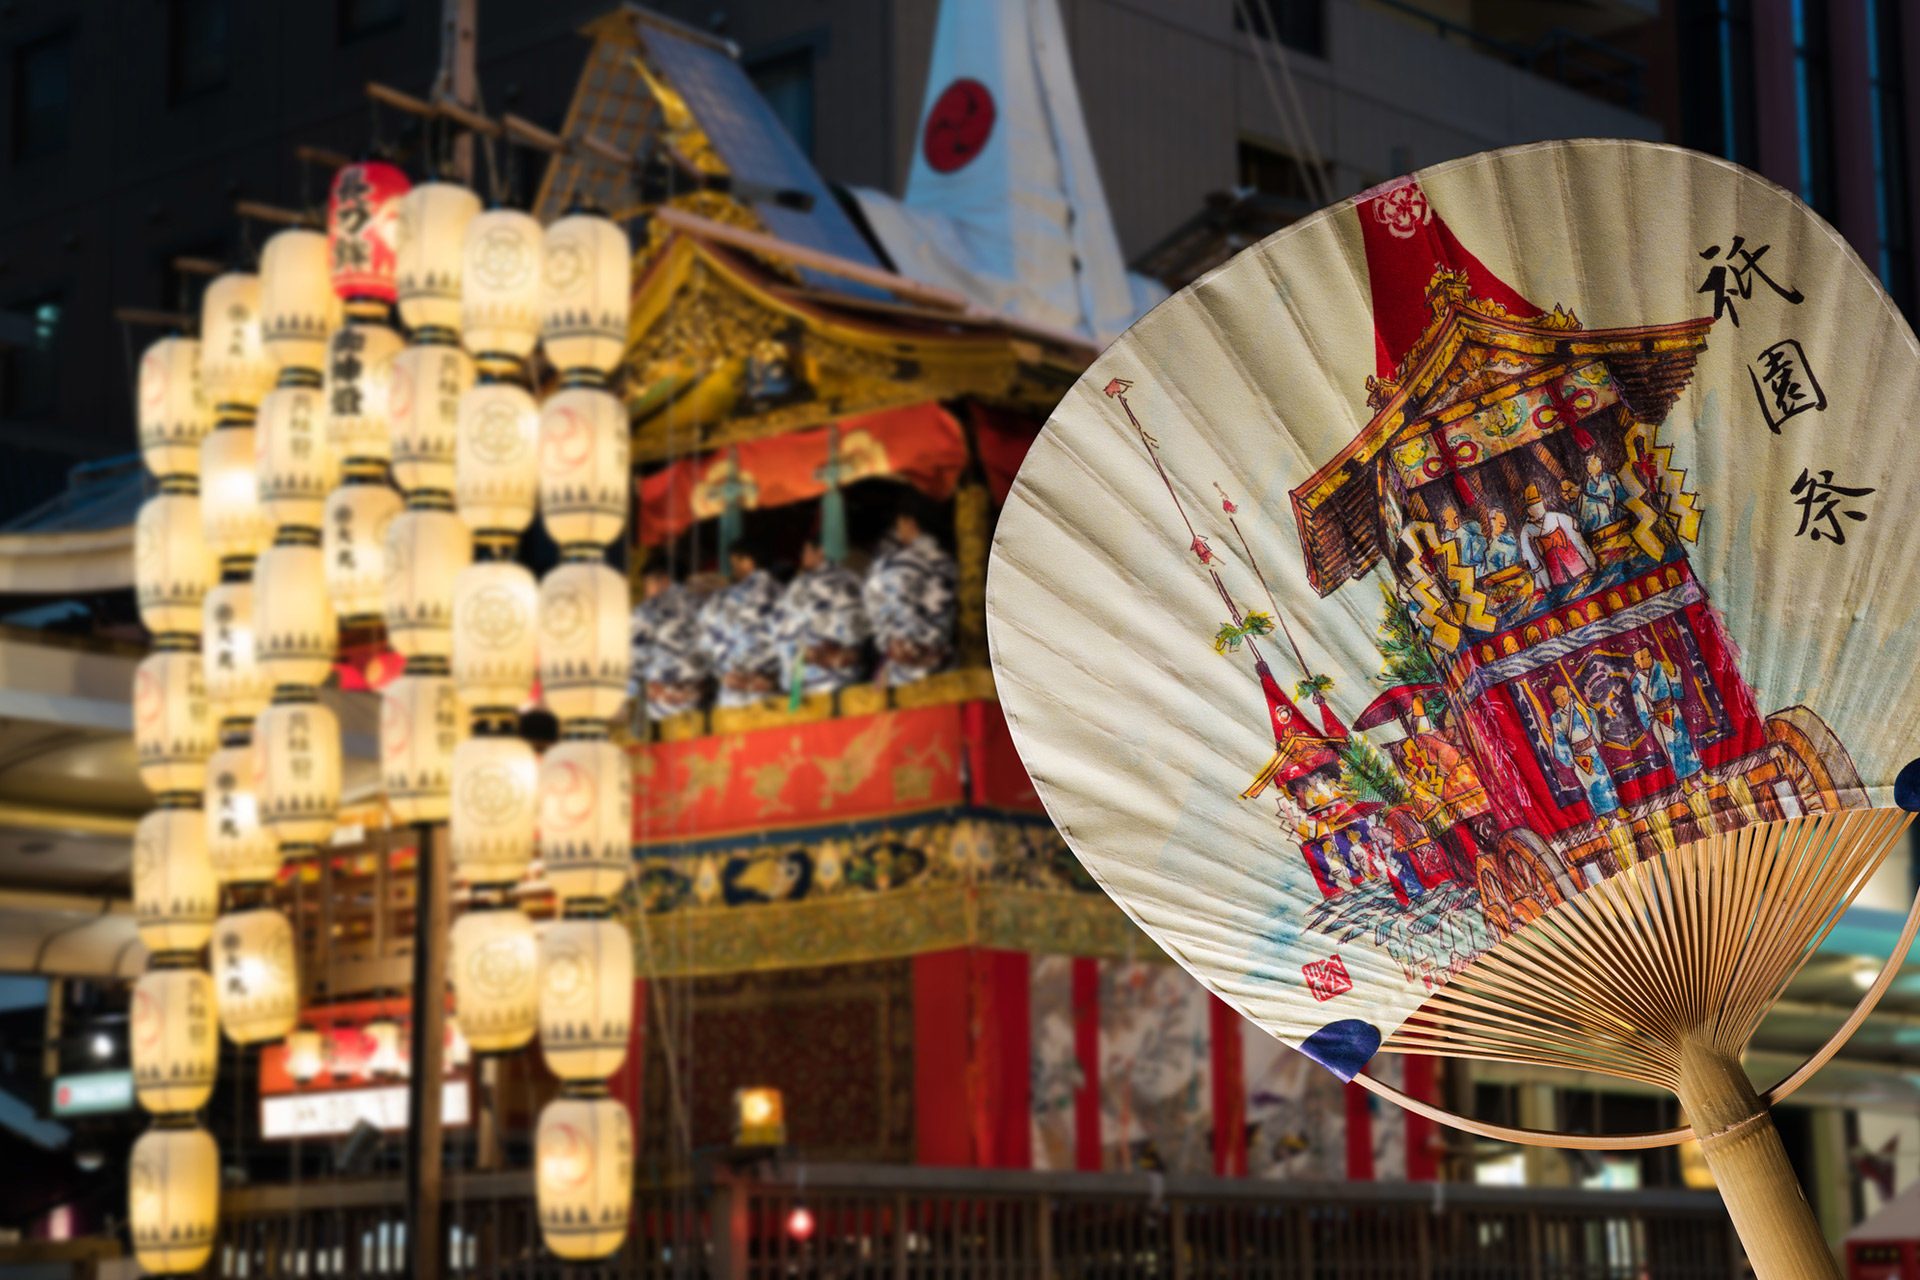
(1776, 1225)
(426, 1081)
(459, 56)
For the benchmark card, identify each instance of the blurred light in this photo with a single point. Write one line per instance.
(102, 1045)
(1865, 973)
(759, 1117)
(800, 1223)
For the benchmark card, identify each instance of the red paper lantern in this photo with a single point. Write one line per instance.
(800, 1223)
(363, 212)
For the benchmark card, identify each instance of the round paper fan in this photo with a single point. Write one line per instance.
(1478, 620)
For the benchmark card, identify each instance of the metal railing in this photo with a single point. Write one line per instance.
(870, 1222)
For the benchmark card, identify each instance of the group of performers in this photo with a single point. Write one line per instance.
(753, 638)
(1555, 542)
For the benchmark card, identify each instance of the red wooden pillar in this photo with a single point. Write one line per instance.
(972, 1039)
(1229, 1090)
(1087, 1150)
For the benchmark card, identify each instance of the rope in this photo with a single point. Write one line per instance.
(1292, 118)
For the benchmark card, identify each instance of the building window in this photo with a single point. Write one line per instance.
(29, 384)
(1813, 101)
(199, 51)
(1890, 190)
(1716, 78)
(42, 95)
(1297, 24)
(360, 18)
(1278, 173)
(786, 82)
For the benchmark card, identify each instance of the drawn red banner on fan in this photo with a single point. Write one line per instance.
(920, 444)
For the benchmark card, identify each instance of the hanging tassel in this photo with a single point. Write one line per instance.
(833, 504)
(1583, 438)
(732, 517)
(1464, 491)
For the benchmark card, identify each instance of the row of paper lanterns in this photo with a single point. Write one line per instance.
(277, 440)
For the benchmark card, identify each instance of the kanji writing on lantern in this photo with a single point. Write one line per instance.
(1822, 506)
(1742, 265)
(1784, 384)
(346, 371)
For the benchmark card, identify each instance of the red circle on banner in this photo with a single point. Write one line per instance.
(958, 126)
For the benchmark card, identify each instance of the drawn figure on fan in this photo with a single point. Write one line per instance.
(1604, 499)
(1553, 550)
(1576, 744)
(1503, 548)
(1656, 705)
(1469, 543)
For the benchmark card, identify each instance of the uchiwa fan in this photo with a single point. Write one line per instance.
(1477, 621)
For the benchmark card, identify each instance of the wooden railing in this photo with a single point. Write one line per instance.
(870, 1222)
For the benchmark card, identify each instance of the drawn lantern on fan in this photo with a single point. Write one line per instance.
(1577, 606)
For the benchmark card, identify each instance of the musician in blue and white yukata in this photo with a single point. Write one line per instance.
(910, 601)
(822, 625)
(670, 669)
(737, 632)
(1574, 731)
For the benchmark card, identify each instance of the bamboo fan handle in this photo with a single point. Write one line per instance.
(1653, 1138)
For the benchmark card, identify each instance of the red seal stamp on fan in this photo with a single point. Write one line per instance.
(958, 125)
(1326, 978)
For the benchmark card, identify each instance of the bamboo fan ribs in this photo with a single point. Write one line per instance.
(1679, 955)
(1476, 622)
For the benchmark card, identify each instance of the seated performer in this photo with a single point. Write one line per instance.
(910, 601)
(670, 669)
(737, 632)
(1604, 499)
(1553, 549)
(1468, 542)
(822, 625)
(1503, 549)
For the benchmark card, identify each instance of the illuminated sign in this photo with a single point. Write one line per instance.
(93, 1094)
(326, 1113)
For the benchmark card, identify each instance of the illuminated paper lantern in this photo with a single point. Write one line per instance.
(237, 687)
(172, 568)
(172, 733)
(584, 474)
(495, 798)
(583, 1176)
(306, 1055)
(234, 369)
(173, 1199)
(293, 455)
(240, 849)
(585, 649)
(495, 972)
(360, 358)
(173, 416)
(235, 525)
(586, 818)
(427, 548)
(256, 978)
(298, 772)
(586, 997)
(494, 606)
(294, 631)
(174, 894)
(419, 729)
(363, 215)
(423, 413)
(586, 293)
(432, 249)
(175, 1044)
(298, 307)
(496, 465)
(500, 284)
(359, 514)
